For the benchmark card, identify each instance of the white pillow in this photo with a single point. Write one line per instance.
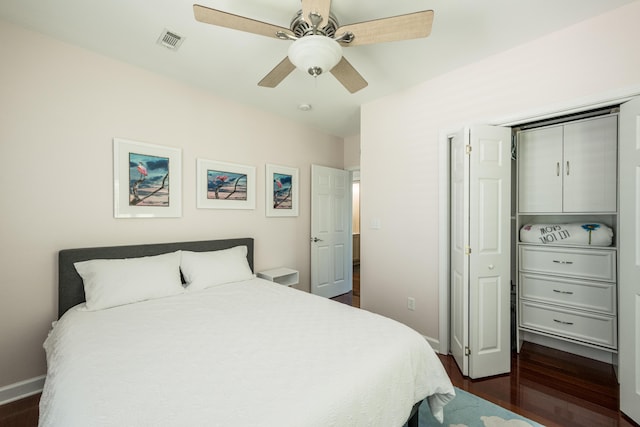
(202, 270)
(594, 234)
(112, 282)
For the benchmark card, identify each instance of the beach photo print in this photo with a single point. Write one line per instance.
(222, 185)
(147, 180)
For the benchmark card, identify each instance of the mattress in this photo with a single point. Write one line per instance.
(250, 353)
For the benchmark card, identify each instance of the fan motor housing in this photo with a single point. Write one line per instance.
(302, 28)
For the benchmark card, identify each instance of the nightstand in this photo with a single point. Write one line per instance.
(283, 275)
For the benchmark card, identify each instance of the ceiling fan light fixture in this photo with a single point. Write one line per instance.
(315, 54)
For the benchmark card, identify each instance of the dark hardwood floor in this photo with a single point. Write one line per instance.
(551, 387)
(21, 413)
(349, 298)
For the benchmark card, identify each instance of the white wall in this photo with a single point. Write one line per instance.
(60, 107)
(595, 59)
(352, 152)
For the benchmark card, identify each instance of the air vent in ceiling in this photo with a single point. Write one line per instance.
(170, 40)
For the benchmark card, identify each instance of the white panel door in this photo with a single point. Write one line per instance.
(459, 274)
(540, 170)
(590, 165)
(490, 260)
(481, 250)
(331, 271)
(629, 258)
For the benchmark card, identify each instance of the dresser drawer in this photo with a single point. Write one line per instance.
(582, 294)
(586, 327)
(595, 264)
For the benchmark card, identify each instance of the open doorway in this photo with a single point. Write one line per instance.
(355, 226)
(352, 297)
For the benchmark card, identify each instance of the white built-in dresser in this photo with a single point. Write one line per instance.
(567, 173)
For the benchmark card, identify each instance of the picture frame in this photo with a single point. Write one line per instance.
(147, 180)
(281, 191)
(222, 185)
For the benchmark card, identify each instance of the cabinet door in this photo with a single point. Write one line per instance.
(539, 170)
(590, 165)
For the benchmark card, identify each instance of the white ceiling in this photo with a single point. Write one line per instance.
(230, 63)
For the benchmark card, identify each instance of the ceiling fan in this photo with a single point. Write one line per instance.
(318, 38)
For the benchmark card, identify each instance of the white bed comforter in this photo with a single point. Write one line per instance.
(251, 353)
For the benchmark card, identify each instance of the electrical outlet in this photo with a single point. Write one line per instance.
(411, 303)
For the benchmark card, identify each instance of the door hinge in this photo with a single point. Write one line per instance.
(467, 351)
(468, 148)
(467, 250)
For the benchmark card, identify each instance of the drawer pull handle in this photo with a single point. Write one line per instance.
(562, 322)
(563, 292)
(562, 262)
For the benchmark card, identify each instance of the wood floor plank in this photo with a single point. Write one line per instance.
(551, 387)
(20, 413)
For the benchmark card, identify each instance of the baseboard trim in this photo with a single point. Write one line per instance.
(20, 390)
(435, 344)
(570, 347)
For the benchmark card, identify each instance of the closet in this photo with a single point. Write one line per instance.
(566, 228)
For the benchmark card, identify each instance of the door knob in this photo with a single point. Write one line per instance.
(315, 239)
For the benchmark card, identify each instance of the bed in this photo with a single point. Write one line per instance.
(242, 351)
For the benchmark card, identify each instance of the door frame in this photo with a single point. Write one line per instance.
(575, 106)
(459, 353)
(444, 241)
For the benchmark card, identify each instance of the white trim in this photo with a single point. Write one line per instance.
(20, 390)
(575, 106)
(443, 239)
(569, 347)
(349, 220)
(434, 343)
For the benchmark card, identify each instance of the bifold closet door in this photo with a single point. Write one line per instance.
(459, 272)
(481, 250)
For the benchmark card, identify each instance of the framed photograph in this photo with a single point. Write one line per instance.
(281, 191)
(222, 185)
(147, 180)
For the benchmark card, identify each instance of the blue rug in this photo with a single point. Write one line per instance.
(468, 410)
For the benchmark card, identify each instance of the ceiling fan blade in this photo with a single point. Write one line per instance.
(278, 74)
(320, 7)
(348, 76)
(229, 20)
(402, 27)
